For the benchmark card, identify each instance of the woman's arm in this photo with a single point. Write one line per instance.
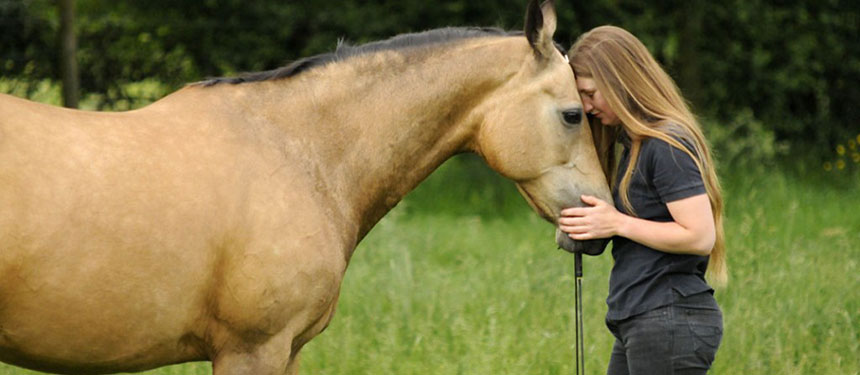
(691, 232)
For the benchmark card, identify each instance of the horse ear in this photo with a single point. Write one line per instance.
(540, 26)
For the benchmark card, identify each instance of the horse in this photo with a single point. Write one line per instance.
(216, 224)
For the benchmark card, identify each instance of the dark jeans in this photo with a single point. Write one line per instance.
(681, 338)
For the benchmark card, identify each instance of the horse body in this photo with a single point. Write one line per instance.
(217, 223)
(158, 234)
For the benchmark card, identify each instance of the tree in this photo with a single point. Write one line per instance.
(68, 54)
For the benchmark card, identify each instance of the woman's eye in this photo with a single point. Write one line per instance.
(572, 116)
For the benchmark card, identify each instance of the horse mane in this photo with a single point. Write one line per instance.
(345, 51)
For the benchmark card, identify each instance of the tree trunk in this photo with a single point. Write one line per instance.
(68, 52)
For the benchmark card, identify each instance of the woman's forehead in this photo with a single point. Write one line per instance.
(585, 84)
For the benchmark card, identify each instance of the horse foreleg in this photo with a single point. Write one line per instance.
(272, 357)
(293, 366)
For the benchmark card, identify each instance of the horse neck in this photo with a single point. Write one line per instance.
(376, 127)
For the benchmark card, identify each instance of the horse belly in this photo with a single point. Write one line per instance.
(106, 248)
(114, 294)
(74, 311)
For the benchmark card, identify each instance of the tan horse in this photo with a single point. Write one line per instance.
(217, 223)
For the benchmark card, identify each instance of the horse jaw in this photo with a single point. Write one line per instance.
(553, 199)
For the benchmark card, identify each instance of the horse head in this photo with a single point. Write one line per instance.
(535, 132)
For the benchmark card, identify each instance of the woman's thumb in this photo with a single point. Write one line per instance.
(590, 200)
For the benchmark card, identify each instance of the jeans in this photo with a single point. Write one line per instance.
(681, 338)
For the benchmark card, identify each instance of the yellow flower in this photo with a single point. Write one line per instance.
(840, 164)
(856, 157)
(828, 166)
(840, 149)
(858, 138)
(852, 145)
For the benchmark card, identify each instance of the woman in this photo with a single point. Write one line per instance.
(666, 223)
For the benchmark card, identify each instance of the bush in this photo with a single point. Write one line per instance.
(127, 96)
(744, 142)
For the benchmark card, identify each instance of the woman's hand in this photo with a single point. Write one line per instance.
(598, 220)
(691, 232)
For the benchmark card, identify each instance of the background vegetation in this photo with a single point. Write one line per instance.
(460, 278)
(784, 72)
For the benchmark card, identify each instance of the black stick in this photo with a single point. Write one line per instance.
(580, 349)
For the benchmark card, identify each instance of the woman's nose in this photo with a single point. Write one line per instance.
(587, 106)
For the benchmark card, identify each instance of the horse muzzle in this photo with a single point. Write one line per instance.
(588, 247)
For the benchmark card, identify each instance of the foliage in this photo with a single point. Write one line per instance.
(843, 166)
(28, 42)
(792, 63)
(133, 94)
(743, 142)
(789, 66)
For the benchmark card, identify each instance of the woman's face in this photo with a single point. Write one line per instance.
(594, 102)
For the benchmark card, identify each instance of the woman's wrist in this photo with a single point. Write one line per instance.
(622, 225)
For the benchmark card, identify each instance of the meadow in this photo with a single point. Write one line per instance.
(461, 278)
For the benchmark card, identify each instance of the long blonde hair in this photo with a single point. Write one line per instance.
(649, 105)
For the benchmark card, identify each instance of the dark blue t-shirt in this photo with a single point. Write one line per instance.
(642, 278)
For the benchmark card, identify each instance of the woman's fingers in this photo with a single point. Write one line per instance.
(581, 236)
(572, 220)
(574, 225)
(579, 222)
(574, 211)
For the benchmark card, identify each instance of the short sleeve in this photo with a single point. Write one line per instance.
(675, 174)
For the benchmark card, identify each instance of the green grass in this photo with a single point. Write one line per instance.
(462, 279)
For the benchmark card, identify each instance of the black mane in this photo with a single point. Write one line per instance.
(344, 51)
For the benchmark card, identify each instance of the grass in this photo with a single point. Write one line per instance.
(462, 279)
(486, 294)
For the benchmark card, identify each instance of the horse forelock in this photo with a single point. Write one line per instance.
(344, 51)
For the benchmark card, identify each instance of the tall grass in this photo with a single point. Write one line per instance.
(497, 298)
(462, 279)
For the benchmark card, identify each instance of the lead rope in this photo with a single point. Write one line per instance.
(580, 350)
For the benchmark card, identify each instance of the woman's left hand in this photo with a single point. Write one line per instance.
(598, 220)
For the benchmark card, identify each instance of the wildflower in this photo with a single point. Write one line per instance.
(852, 145)
(858, 138)
(840, 164)
(840, 149)
(856, 157)
(828, 166)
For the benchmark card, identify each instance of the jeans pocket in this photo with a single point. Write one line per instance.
(706, 340)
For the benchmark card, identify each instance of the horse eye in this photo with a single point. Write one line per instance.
(572, 116)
